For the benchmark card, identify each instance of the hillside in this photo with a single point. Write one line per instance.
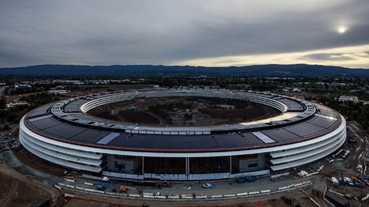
(183, 71)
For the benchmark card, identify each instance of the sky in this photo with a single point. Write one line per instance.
(186, 32)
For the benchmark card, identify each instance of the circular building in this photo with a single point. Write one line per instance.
(64, 134)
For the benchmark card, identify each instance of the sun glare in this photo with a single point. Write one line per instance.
(341, 29)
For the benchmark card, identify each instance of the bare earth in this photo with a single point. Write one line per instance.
(194, 111)
(17, 190)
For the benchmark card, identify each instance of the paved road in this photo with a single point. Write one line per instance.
(361, 150)
(220, 187)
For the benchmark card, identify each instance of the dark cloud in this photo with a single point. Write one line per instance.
(167, 32)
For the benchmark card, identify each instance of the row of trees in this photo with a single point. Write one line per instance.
(13, 114)
(353, 111)
(2, 103)
(39, 99)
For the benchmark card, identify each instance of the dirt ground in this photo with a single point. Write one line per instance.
(184, 111)
(17, 190)
(37, 163)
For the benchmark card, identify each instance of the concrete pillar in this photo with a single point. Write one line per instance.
(187, 166)
(143, 165)
(261, 161)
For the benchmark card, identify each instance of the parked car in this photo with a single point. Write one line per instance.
(101, 186)
(207, 185)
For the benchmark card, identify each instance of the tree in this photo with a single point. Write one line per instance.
(2, 103)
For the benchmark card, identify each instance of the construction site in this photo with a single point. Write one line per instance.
(339, 179)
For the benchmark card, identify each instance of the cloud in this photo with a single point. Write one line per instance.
(354, 57)
(172, 32)
(328, 57)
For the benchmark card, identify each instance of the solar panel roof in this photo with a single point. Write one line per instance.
(40, 110)
(65, 131)
(280, 134)
(291, 104)
(304, 129)
(307, 127)
(74, 106)
(44, 123)
(90, 136)
(322, 122)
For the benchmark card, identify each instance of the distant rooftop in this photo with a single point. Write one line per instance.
(348, 98)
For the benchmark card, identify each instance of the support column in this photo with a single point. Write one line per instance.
(143, 165)
(230, 164)
(187, 167)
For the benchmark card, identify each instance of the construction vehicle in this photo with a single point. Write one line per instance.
(123, 189)
(359, 184)
(363, 180)
(334, 181)
(342, 177)
(365, 176)
(354, 179)
(348, 181)
(346, 154)
(163, 184)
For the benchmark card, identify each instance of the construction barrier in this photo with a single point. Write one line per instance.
(89, 190)
(69, 180)
(365, 198)
(80, 188)
(110, 193)
(184, 196)
(242, 194)
(69, 195)
(69, 186)
(173, 197)
(298, 184)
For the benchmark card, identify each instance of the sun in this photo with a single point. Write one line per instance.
(341, 29)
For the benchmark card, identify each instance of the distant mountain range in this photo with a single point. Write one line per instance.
(184, 71)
